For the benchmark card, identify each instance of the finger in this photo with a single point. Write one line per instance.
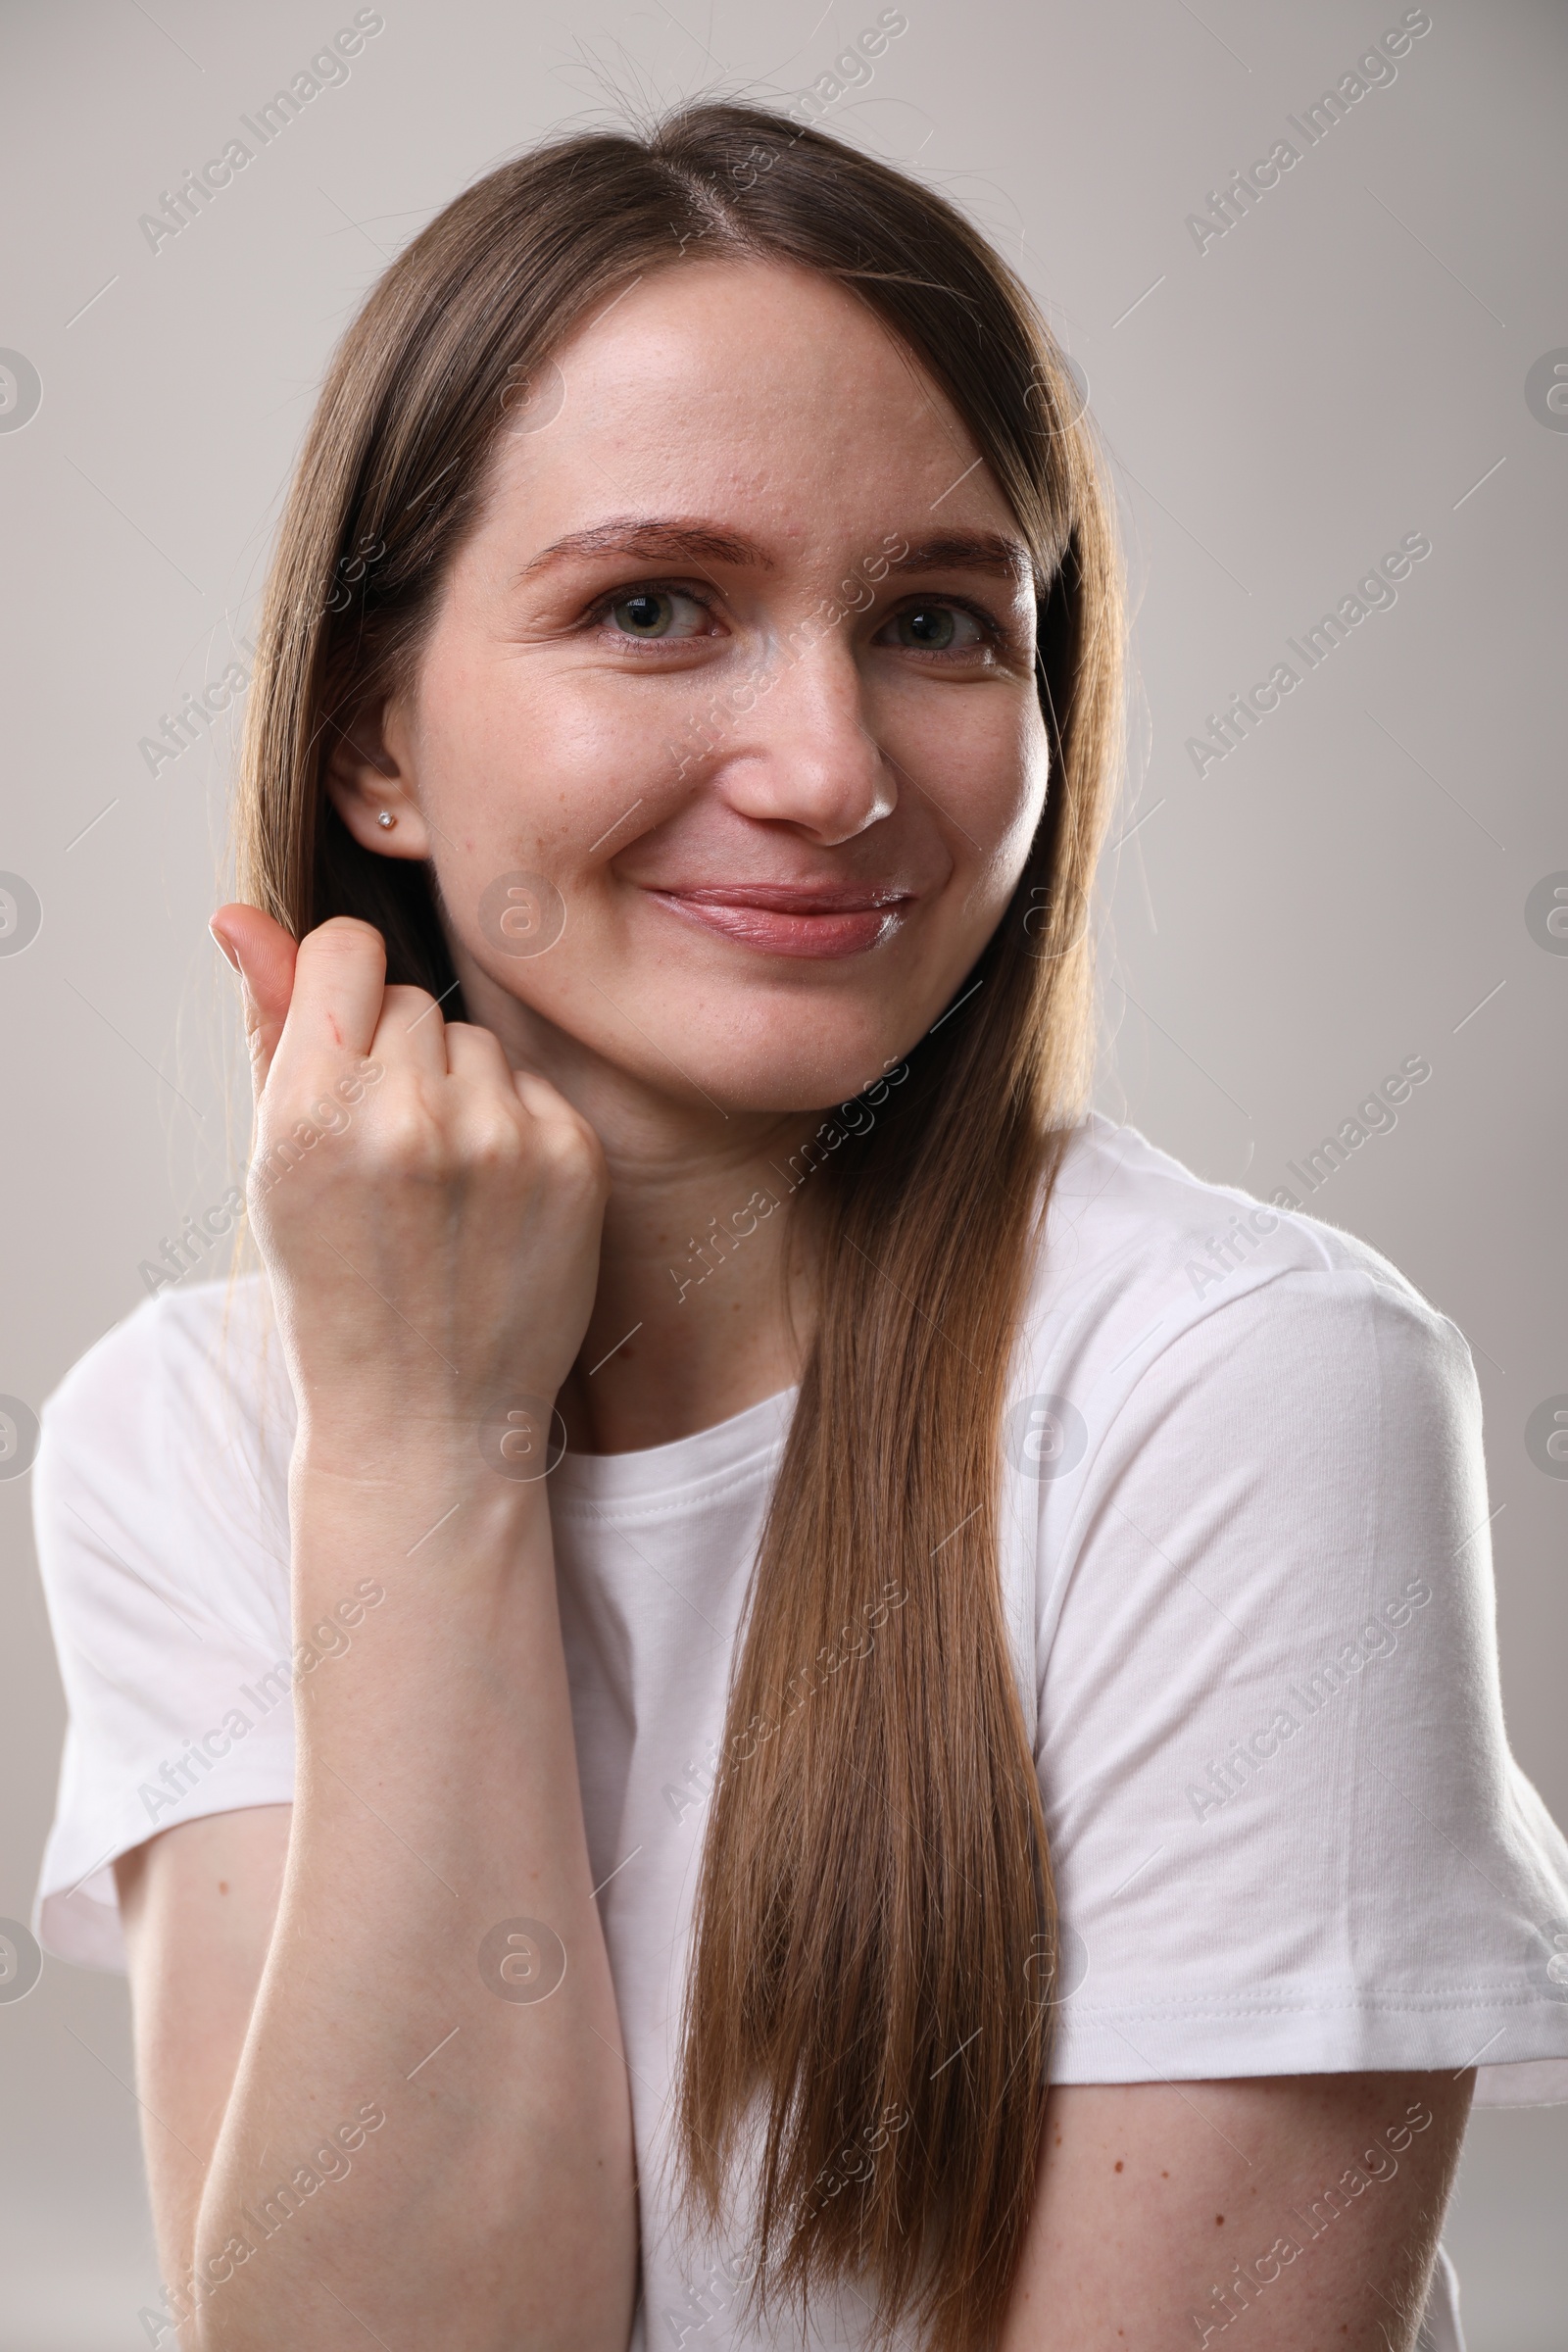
(537, 1095)
(263, 953)
(484, 1053)
(474, 1055)
(339, 983)
(410, 1034)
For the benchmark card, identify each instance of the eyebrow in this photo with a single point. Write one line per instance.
(655, 537)
(668, 539)
(968, 550)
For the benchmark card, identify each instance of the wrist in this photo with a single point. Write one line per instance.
(355, 1510)
(509, 1445)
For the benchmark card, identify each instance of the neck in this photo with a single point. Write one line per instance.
(695, 1315)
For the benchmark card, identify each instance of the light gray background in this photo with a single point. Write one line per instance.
(1344, 891)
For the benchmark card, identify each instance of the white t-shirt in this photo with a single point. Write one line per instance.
(1246, 1569)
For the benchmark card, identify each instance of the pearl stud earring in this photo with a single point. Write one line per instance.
(386, 820)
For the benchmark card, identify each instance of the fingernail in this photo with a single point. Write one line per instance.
(229, 952)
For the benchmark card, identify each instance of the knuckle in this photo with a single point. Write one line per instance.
(342, 934)
(406, 1001)
(575, 1155)
(404, 1141)
(493, 1142)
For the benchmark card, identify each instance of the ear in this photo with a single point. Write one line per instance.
(369, 775)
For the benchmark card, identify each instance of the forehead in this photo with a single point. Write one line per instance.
(754, 388)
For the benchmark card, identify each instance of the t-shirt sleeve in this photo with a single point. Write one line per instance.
(1285, 1829)
(160, 1522)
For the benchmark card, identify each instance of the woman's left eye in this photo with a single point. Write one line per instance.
(937, 628)
(657, 614)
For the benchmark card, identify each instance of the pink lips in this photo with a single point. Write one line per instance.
(793, 918)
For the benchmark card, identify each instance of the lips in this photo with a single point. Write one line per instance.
(827, 919)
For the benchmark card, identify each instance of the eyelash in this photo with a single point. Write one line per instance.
(996, 638)
(599, 613)
(994, 635)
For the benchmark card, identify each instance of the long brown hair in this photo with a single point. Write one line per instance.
(874, 1930)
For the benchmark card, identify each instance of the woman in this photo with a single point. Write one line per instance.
(829, 1588)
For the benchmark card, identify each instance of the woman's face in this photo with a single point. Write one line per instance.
(737, 666)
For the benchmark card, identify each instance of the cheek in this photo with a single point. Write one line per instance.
(1017, 812)
(989, 772)
(526, 773)
(511, 755)
(974, 768)
(532, 770)
(980, 746)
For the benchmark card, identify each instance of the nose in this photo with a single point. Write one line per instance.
(802, 753)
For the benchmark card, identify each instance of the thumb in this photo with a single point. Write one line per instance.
(263, 953)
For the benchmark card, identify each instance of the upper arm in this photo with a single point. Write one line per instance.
(1286, 1834)
(1164, 2211)
(198, 1905)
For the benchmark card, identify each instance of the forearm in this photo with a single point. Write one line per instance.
(437, 1800)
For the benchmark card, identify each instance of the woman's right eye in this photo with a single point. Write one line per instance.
(657, 614)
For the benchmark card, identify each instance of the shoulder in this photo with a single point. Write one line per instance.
(1256, 1418)
(1145, 1264)
(161, 1511)
(191, 1343)
(182, 1409)
(1244, 1457)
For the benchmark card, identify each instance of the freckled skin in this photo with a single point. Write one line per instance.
(1100, 2268)
(866, 762)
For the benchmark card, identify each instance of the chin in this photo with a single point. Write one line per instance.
(786, 1066)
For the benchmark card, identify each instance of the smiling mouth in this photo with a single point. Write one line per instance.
(827, 919)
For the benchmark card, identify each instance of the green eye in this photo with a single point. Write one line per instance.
(656, 612)
(937, 628)
(643, 616)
